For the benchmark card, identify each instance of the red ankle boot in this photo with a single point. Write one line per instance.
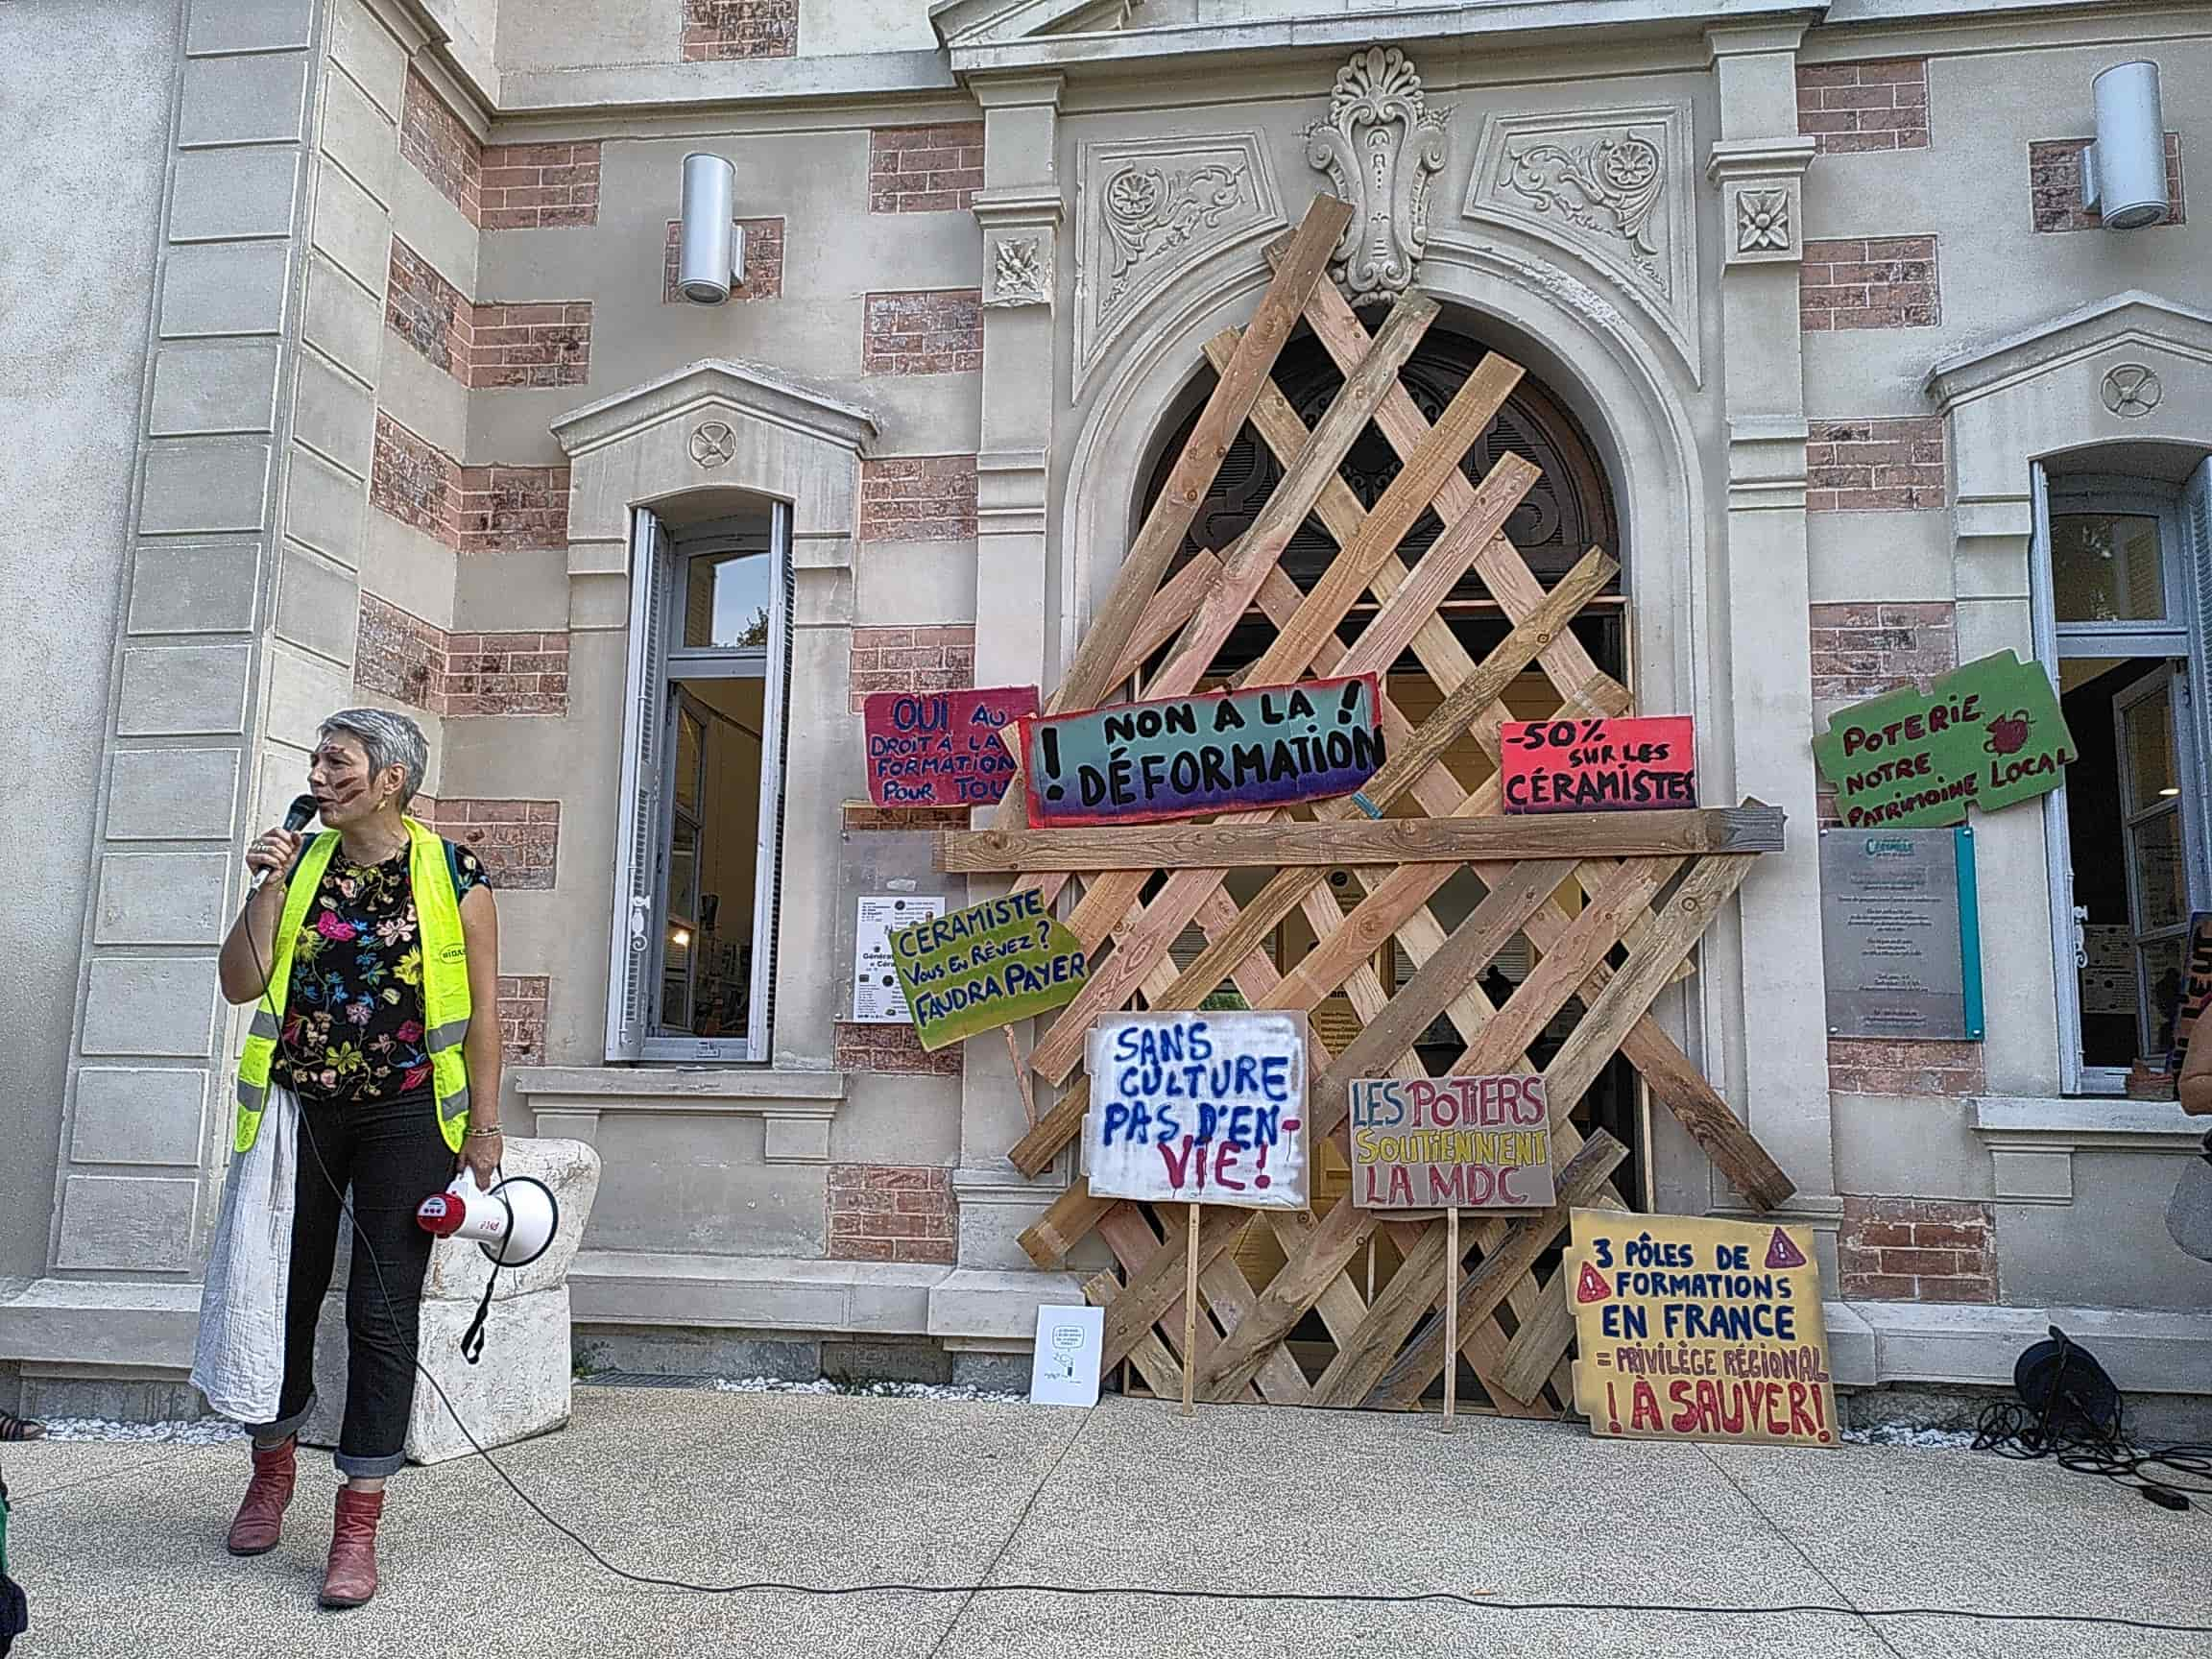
(350, 1578)
(260, 1516)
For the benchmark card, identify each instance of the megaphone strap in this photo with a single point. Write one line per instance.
(473, 1338)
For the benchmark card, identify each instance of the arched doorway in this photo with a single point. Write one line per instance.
(1570, 508)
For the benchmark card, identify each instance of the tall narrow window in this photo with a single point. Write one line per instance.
(703, 772)
(2117, 600)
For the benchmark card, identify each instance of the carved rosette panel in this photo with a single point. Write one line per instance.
(1379, 144)
(1614, 187)
(1764, 221)
(1147, 209)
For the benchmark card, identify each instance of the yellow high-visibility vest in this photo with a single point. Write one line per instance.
(444, 984)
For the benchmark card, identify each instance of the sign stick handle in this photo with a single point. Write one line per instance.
(1021, 1074)
(1451, 1313)
(1190, 1316)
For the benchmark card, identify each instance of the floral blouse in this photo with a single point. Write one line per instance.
(354, 1018)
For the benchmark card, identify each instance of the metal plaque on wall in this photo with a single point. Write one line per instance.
(1900, 933)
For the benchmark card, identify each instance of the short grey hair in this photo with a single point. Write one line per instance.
(387, 739)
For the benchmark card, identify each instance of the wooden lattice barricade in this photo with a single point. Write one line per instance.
(1609, 906)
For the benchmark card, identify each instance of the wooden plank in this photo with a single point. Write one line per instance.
(1584, 835)
(1131, 1238)
(1160, 1370)
(1171, 608)
(1407, 1376)
(1158, 1285)
(1283, 1303)
(1537, 1347)
(1398, 1307)
(1067, 1220)
(1301, 270)
(1339, 1305)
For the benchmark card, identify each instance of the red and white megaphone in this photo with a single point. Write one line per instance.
(512, 1223)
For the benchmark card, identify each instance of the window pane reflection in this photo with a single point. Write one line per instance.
(2106, 568)
(726, 602)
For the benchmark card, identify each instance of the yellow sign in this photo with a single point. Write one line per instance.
(1693, 1328)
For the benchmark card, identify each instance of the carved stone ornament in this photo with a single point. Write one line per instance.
(1609, 187)
(2131, 390)
(1763, 221)
(712, 442)
(1380, 146)
(1020, 272)
(1147, 209)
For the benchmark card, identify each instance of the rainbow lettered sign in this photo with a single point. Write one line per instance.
(1450, 1143)
(1188, 757)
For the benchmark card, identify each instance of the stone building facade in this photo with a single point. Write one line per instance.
(351, 366)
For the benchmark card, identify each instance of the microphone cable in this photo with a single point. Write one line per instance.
(1477, 1601)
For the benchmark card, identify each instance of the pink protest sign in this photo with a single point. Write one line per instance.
(942, 748)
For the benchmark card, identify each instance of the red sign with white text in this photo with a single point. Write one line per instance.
(1625, 765)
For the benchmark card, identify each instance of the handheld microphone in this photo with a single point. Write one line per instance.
(296, 819)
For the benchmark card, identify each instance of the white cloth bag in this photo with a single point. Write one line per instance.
(238, 1358)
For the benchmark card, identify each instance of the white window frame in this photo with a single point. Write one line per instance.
(2185, 547)
(657, 659)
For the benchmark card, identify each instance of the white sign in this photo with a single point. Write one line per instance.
(876, 999)
(1198, 1106)
(1065, 1370)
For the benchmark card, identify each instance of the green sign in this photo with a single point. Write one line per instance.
(1985, 735)
(987, 965)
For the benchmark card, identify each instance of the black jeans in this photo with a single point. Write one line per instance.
(392, 1155)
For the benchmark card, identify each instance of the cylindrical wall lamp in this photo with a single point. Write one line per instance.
(2123, 172)
(711, 251)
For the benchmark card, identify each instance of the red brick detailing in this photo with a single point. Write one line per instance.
(502, 508)
(414, 481)
(863, 820)
(545, 343)
(1918, 1250)
(1876, 465)
(1869, 282)
(441, 145)
(532, 186)
(2054, 186)
(930, 331)
(535, 344)
(912, 659)
(716, 29)
(763, 261)
(522, 998)
(918, 498)
(427, 311)
(869, 1048)
(891, 1213)
(418, 663)
(1881, 1066)
(517, 841)
(1877, 104)
(506, 674)
(1863, 650)
(925, 169)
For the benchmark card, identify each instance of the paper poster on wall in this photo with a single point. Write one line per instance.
(876, 997)
(1477, 1142)
(1624, 765)
(942, 748)
(987, 965)
(1186, 756)
(1985, 735)
(1198, 1107)
(1063, 1366)
(2196, 989)
(1689, 1328)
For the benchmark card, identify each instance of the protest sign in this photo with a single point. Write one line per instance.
(2196, 989)
(1064, 1362)
(878, 998)
(1186, 756)
(941, 748)
(1694, 1329)
(1198, 1107)
(1986, 734)
(1441, 1143)
(1622, 765)
(987, 965)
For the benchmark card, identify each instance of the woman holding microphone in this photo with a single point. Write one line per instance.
(372, 951)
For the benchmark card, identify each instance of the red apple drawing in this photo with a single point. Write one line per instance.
(2008, 733)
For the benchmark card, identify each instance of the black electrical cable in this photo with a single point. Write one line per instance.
(1479, 1602)
(2016, 1432)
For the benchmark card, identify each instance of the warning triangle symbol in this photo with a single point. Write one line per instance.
(1591, 1287)
(1781, 1253)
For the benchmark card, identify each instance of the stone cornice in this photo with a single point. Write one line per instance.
(1012, 205)
(2131, 318)
(752, 390)
(1758, 159)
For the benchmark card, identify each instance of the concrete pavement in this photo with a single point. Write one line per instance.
(120, 1546)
